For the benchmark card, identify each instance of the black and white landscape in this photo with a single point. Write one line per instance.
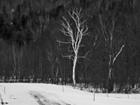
(69, 52)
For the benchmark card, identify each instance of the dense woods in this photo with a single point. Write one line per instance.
(31, 47)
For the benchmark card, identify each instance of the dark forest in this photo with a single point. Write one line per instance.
(34, 44)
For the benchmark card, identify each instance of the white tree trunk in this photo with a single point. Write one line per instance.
(74, 35)
(73, 70)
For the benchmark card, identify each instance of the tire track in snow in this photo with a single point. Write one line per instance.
(41, 100)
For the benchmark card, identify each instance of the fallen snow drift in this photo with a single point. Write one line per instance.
(48, 94)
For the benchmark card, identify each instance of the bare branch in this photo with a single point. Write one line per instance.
(86, 55)
(82, 57)
(66, 26)
(102, 27)
(81, 29)
(62, 42)
(68, 56)
(65, 32)
(84, 30)
(118, 53)
(83, 22)
(76, 17)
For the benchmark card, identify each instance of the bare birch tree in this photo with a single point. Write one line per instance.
(108, 23)
(75, 32)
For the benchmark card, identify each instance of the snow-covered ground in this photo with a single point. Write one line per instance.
(48, 94)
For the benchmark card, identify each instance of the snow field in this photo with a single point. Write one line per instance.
(20, 94)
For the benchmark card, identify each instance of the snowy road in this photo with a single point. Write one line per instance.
(42, 100)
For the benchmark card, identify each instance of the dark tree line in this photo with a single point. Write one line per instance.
(29, 48)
